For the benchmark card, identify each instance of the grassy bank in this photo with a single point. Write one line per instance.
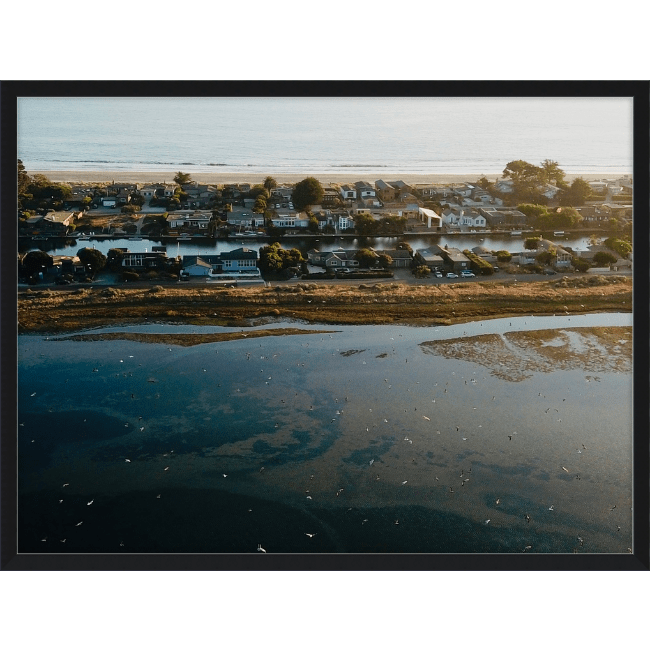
(61, 311)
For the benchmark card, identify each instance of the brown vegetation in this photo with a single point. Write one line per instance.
(364, 304)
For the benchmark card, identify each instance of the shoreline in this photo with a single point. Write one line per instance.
(82, 176)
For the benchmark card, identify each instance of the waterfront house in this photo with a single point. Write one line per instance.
(238, 263)
(431, 218)
(429, 257)
(562, 256)
(149, 260)
(189, 219)
(454, 258)
(401, 258)
(244, 218)
(52, 224)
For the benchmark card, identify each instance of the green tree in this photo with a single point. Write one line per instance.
(312, 225)
(137, 199)
(130, 209)
(531, 243)
(421, 271)
(366, 257)
(404, 246)
(384, 260)
(114, 259)
(36, 262)
(182, 179)
(551, 172)
(307, 192)
(602, 258)
(620, 246)
(484, 183)
(503, 256)
(580, 264)
(546, 257)
(92, 259)
(270, 184)
(577, 194)
(365, 225)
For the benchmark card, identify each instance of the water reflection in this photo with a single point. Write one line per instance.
(308, 438)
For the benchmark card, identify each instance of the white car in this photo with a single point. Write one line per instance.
(467, 274)
(451, 275)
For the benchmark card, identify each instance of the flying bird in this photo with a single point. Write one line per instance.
(126, 460)
(259, 548)
(311, 534)
(90, 502)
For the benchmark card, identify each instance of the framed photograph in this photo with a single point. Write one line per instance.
(308, 325)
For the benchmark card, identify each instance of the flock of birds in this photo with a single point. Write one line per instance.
(418, 432)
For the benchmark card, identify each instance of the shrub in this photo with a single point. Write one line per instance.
(129, 276)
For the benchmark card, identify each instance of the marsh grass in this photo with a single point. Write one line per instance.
(51, 311)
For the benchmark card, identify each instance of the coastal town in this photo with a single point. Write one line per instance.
(161, 214)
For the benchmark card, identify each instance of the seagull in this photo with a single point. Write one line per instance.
(309, 497)
(33, 395)
(66, 484)
(487, 521)
(527, 518)
(397, 522)
(157, 496)
(551, 508)
(259, 548)
(565, 469)
(426, 418)
(498, 501)
(126, 460)
(225, 475)
(526, 548)
(90, 502)
(372, 461)
(166, 468)
(311, 534)
(79, 524)
(404, 482)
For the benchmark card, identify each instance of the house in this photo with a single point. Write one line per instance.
(189, 219)
(429, 257)
(53, 223)
(348, 193)
(285, 218)
(390, 191)
(108, 201)
(401, 258)
(429, 217)
(480, 195)
(339, 258)
(562, 256)
(365, 190)
(463, 190)
(484, 254)
(148, 192)
(244, 218)
(503, 217)
(146, 260)
(241, 262)
(330, 197)
(505, 185)
(455, 259)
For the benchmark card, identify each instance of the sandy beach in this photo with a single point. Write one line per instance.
(76, 176)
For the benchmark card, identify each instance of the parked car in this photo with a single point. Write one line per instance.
(344, 271)
(550, 272)
(438, 274)
(496, 268)
(451, 275)
(467, 274)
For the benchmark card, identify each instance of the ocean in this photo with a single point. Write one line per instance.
(383, 137)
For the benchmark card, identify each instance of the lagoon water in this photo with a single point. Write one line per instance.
(362, 436)
(381, 137)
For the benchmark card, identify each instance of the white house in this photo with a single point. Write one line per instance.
(348, 193)
(428, 216)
